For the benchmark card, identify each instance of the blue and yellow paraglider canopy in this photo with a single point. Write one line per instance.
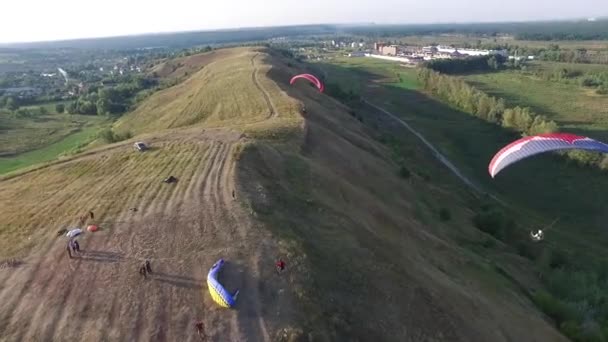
(219, 294)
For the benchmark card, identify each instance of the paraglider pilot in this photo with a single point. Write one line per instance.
(538, 235)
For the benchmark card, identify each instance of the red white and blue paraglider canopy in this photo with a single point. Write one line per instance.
(310, 78)
(536, 144)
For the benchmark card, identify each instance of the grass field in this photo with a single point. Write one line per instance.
(26, 134)
(574, 108)
(71, 143)
(49, 106)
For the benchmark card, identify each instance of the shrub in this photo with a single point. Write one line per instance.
(493, 222)
(603, 90)
(404, 172)
(109, 136)
(444, 214)
(60, 108)
(554, 308)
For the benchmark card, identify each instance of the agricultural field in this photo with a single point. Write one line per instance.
(575, 108)
(28, 141)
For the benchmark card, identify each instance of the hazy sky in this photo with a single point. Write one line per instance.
(29, 20)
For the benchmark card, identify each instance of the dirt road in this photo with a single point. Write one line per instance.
(430, 146)
(273, 113)
(182, 228)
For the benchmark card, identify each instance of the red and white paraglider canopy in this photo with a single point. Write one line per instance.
(310, 78)
(532, 145)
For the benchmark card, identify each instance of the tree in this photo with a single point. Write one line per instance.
(72, 108)
(87, 107)
(42, 110)
(60, 108)
(103, 106)
(11, 104)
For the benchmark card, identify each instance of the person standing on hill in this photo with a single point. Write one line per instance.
(143, 271)
(82, 219)
(91, 215)
(280, 266)
(200, 329)
(69, 249)
(76, 246)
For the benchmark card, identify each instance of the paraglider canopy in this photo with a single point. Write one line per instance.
(532, 145)
(310, 78)
(218, 292)
(74, 232)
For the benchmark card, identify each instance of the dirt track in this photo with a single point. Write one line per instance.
(183, 228)
(254, 77)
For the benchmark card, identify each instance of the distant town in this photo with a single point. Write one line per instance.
(415, 54)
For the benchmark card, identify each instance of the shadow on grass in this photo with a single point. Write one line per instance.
(176, 280)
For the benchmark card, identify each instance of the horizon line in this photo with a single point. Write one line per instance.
(151, 33)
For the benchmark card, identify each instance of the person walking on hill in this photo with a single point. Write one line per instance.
(280, 266)
(143, 271)
(200, 329)
(76, 246)
(69, 249)
(147, 266)
(91, 215)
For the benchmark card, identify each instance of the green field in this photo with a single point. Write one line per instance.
(70, 143)
(538, 190)
(49, 106)
(576, 109)
(20, 135)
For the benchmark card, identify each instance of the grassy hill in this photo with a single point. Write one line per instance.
(372, 252)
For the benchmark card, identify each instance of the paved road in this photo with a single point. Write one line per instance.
(436, 153)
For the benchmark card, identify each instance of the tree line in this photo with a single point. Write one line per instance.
(112, 99)
(465, 97)
(471, 100)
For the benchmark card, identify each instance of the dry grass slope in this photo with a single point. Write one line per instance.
(225, 93)
(363, 263)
